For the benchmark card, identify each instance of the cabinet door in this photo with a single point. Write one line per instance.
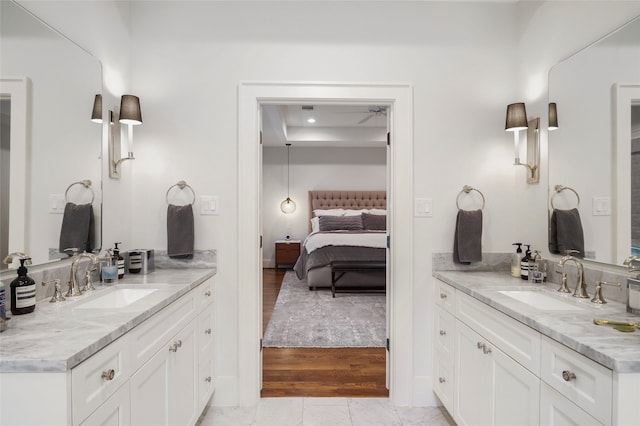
(183, 368)
(516, 391)
(205, 357)
(115, 411)
(556, 410)
(473, 399)
(163, 391)
(443, 354)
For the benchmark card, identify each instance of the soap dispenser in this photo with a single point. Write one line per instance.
(524, 263)
(119, 260)
(110, 268)
(536, 268)
(23, 290)
(515, 260)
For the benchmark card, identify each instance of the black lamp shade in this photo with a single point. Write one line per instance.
(96, 114)
(553, 116)
(516, 117)
(130, 112)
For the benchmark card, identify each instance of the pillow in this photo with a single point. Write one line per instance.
(349, 212)
(330, 212)
(378, 211)
(315, 224)
(374, 222)
(340, 223)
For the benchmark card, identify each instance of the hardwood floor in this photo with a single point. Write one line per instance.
(317, 372)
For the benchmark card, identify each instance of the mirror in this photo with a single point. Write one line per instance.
(48, 85)
(593, 142)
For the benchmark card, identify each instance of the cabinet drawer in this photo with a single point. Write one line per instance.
(515, 339)
(115, 411)
(444, 332)
(444, 380)
(445, 296)
(205, 381)
(556, 410)
(94, 380)
(581, 380)
(205, 329)
(152, 335)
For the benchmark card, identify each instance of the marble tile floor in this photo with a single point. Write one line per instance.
(325, 412)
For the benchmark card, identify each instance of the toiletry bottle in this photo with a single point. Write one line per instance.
(23, 291)
(110, 268)
(119, 260)
(524, 263)
(535, 268)
(515, 260)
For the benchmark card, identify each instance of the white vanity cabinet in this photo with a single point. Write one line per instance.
(444, 344)
(158, 373)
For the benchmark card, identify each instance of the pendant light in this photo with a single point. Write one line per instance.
(288, 206)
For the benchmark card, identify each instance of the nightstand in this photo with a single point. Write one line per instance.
(287, 253)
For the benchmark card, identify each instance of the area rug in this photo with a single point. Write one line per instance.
(313, 319)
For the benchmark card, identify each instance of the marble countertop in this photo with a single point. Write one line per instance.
(572, 327)
(57, 336)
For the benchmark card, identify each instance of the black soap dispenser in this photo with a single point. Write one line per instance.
(524, 263)
(23, 291)
(119, 260)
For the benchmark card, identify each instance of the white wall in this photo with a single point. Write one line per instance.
(466, 62)
(311, 169)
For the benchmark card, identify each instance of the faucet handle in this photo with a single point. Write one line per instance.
(633, 263)
(57, 292)
(571, 252)
(598, 298)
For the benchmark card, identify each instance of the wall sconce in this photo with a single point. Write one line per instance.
(553, 116)
(96, 114)
(131, 115)
(515, 122)
(288, 205)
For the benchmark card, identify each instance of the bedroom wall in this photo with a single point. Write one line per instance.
(466, 61)
(311, 169)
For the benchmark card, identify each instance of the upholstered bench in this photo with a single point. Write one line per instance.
(341, 267)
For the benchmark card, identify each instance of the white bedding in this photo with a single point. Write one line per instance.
(373, 239)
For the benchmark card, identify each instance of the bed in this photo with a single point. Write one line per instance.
(345, 226)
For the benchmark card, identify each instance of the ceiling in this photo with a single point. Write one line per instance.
(334, 126)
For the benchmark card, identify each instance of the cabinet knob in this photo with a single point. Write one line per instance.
(481, 345)
(207, 293)
(486, 350)
(568, 376)
(108, 375)
(207, 331)
(208, 379)
(443, 333)
(175, 346)
(443, 296)
(442, 380)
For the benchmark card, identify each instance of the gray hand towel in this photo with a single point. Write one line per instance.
(180, 231)
(565, 232)
(467, 241)
(77, 227)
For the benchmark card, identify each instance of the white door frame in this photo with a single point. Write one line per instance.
(400, 204)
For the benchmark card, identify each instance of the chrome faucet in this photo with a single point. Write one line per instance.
(74, 287)
(581, 285)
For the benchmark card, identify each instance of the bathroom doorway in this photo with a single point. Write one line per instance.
(338, 147)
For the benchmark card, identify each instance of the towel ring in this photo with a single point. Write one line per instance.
(86, 183)
(182, 185)
(558, 189)
(465, 190)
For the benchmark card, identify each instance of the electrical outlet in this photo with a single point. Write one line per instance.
(423, 207)
(56, 203)
(208, 205)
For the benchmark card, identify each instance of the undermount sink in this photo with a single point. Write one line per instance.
(117, 298)
(540, 300)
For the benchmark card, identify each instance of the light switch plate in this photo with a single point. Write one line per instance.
(601, 206)
(423, 207)
(56, 203)
(208, 205)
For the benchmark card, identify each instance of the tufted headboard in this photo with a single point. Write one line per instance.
(347, 200)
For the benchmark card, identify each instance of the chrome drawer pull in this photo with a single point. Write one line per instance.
(481, 345)
(179, 343)
(207, 331)
(108, 375)
(208, 379)
(443, 296)
(207, 293)
(486, 350)
(568, 376)
(442, 380)
(443, 333)
(175, 346)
